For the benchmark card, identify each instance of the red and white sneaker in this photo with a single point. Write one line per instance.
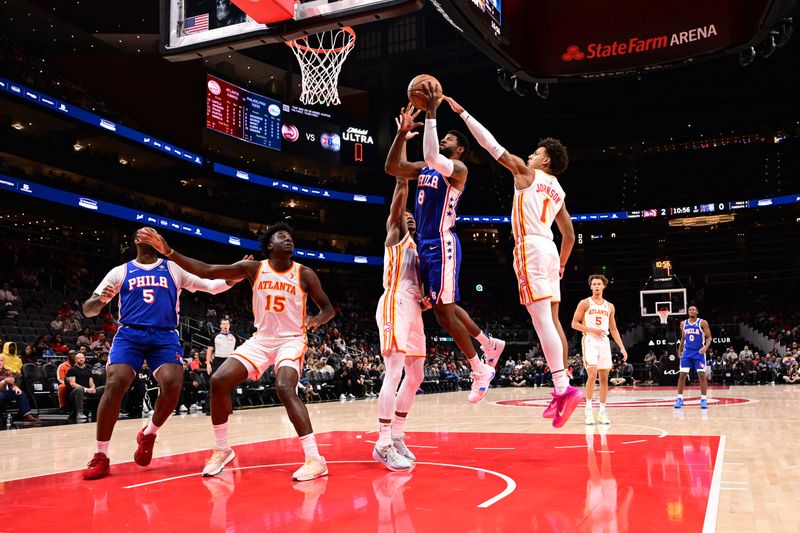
(144, 453)
(565, 405)
(98, 467)
(492, 352)
(550, 410)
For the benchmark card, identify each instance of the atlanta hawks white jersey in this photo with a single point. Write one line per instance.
(535, 207)
(279, 302)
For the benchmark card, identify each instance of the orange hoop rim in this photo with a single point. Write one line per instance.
(295, 44)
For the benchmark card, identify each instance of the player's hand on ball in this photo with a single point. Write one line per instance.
(453, 105)
(154, 239)
(108, 294)
(432, 98)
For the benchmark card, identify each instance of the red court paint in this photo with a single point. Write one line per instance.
(651, 484)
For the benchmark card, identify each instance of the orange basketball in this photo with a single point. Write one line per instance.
(415, 89)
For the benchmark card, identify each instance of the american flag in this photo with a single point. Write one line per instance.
(195, 24)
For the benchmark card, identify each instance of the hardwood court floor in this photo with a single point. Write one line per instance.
(495, 466)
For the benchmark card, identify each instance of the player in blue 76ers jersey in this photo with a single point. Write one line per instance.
(695, 342)
(149, 289)
(441, 179)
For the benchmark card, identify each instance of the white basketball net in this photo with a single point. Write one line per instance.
(321, 56)
(663, 315)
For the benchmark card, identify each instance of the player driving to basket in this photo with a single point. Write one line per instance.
(538, 201)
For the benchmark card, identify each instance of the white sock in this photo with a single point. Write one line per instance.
(309, 443)
(221, 436)
(398, 425)
(680, 396)
(482, 338)
(151, 428)
(384, 434)
(602, 407)
(560, 381)
(702, 396)
(476, 364)
(589, 406)
(102, 447)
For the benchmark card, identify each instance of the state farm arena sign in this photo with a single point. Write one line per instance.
(553, 38)
(638, 45)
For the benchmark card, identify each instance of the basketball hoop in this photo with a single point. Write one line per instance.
(663, 314)
(321, 56)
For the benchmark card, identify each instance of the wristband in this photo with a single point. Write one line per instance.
(430, 122)
(171, 251)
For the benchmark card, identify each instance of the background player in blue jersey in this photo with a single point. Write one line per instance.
(441, 179)
(695, 341)
(149, 289)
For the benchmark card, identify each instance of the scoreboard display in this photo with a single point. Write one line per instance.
(243, 114)
(490, 13)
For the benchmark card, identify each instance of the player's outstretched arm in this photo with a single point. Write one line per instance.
(236, 271)
(454, 169)
(564, 223)
(314, 289)
(484, 137)
(396, 163)
(612, 329)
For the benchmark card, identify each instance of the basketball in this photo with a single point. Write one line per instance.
(415, 95)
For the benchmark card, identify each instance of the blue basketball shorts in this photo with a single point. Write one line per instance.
(439, 263)
(154, 345)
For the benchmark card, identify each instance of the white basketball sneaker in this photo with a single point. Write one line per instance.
(480, 383)
(313, 468)
(493, 350)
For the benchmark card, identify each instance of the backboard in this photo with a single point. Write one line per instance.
(674, 300)
(200, 28)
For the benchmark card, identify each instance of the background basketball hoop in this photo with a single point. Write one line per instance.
(663, 315)
(321, 56)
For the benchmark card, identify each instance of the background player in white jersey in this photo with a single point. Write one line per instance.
(441, 180)
(695, 341)
(399, 318)
(149, 291)
(594, 317)
(538, 201)
(280, 286)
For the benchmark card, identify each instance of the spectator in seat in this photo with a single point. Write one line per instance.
(344, 377)
(58, 345)
(451, 377)
(57, 325)
(109, 324)
(81, 387)
(29, 355)
(61, 375)
(519, 378)
(730, 355)
(191, 387)
(626, 372)
(792, 374)
(9, 391)
(745, 354)
(775, 368)
(6, 294)
(99, 368)
(762, 370)
(194, 364)
(101, 342)
(12, 361)
(72, 324)
(84, 339)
